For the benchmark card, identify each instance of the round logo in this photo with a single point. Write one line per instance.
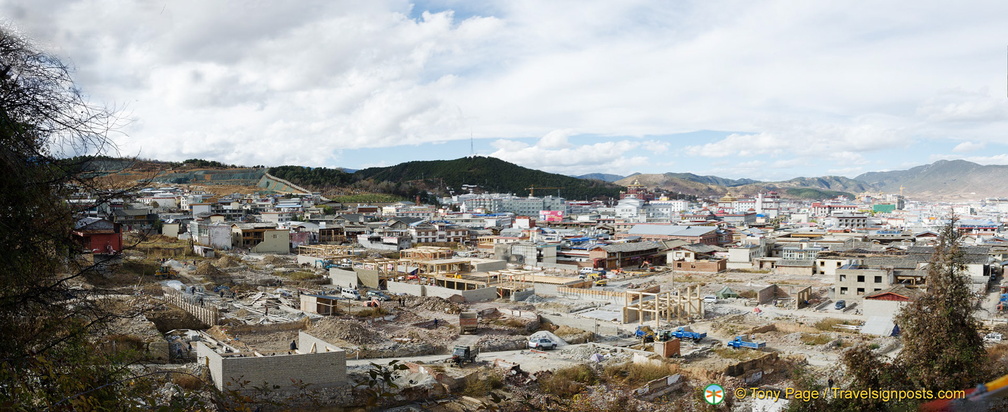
(713, 394)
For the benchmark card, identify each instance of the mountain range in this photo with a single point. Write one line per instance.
(941, 180)
(946, 180)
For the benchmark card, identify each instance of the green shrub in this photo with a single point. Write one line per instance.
(568, 382)
(634, 375)
(481, 387)
(815, 338)
(828, 323)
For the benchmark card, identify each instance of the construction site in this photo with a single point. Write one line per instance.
(460, 333)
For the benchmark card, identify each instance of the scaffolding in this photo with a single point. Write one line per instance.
(426, 253)
(330, 251)
(663, 306)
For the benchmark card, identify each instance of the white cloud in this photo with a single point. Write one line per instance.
(573, 159)
(556, 139)
(822, 84)
(966, 147)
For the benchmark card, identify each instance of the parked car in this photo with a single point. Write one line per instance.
(350, 293)
(710, 299)
(377, 294)
(541, 343)
(840, 305)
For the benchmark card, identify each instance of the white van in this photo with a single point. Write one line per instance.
(710, 299)
(350, 293)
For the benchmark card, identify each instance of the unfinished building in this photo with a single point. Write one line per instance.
(314, 362)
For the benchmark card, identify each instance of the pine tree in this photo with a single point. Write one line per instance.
(942, 347)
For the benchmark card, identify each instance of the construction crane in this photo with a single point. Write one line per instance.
(533, 188)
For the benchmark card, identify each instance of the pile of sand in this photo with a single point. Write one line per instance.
(226, 261)
(274, 260)
(209, 271)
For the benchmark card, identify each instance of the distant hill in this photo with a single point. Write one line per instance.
(941, 180)
(944, 179)
(601, 176)
(490, 174)
(706, 186)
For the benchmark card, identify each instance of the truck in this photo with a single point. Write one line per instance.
(463, 354)
(683, 334)
(740, 342)
(468, 322)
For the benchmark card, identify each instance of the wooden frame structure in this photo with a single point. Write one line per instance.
(663, 306)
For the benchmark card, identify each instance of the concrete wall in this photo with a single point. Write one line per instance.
(876, 307)
(302, 259)
(604, 328)
(767, 294)
(794, 270)
(276, 241)
(490, 266)
(707, 266)
(546, 289)
(342, 277)
(219, 236)
(367, 277)
(170, 229)
(480, 295)
(407, 288)
(522, 295)
(441, 292)
(326, 367)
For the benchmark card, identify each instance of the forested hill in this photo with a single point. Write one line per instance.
(491, 175)
(319, 178)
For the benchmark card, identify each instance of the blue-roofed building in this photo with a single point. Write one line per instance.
(977, 227)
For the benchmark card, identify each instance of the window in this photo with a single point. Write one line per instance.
(843, 290)
(878, 279)
(860, 278)
(843, 278)
(860, 291)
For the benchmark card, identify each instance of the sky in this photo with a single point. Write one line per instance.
(767, 90)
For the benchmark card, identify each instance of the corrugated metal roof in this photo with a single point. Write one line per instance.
(630, 247)
(670, 230)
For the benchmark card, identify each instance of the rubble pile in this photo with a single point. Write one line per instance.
(209, 271)
(350, 331)
(276, 260)
(596, 353)
(430, 303)
(397, 349)
(501, 342)
(573, 335)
